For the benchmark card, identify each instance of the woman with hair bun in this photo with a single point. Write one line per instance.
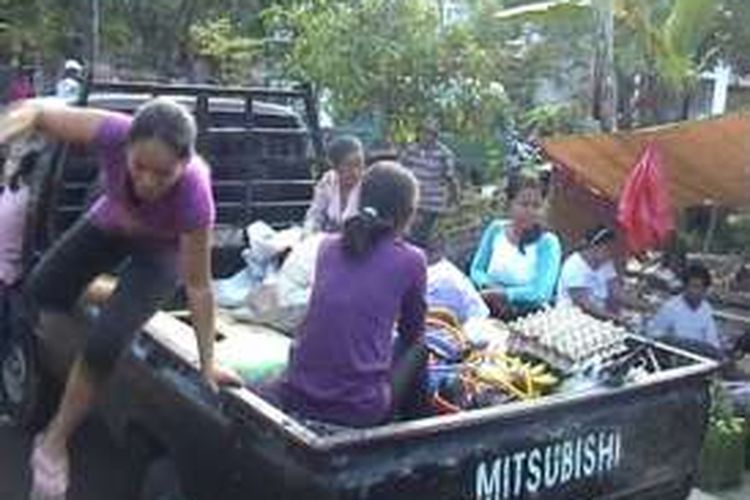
(344, 367)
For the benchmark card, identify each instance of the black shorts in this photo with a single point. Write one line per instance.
(147, 277)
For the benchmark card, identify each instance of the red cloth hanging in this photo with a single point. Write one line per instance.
(645, 211)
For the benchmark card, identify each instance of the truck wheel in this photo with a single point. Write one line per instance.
(27, 388)
(684, 490)
(161, 481)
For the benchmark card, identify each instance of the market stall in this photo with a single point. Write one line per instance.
(705, 162)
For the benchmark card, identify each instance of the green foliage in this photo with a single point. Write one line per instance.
(136, 35)
(147, 35)
(552, 119)
(722, 457)
(721, 404)
(731, 235)
(28, 27)
(390, 59)
(556, 45)
(670, 38)
(666, 42)
(230, 52)
(731, 37)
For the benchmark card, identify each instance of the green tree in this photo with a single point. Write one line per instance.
(660, 49)
(167, 36)
(732, 36)
(664, 45)
(671, 36)
(390, 59)
(142, 34)
(231, 53)
(40, 27)
(156, 37)
(546, 59)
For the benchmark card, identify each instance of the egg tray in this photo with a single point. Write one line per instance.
(566, 338)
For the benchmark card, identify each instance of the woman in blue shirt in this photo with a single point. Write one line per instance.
(518, 262)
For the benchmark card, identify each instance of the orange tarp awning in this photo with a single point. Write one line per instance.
(706, 161)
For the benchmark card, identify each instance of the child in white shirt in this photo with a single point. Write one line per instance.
(588, 278)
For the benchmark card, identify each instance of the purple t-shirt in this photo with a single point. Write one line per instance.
(339, 369)
(187, 206)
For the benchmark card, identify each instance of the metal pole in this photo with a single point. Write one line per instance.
(93, 52)
(606, 18)
(94, 56)
(713, 222)
(441, 13)
(611, 70)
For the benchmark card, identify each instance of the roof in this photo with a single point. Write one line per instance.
(706, 161)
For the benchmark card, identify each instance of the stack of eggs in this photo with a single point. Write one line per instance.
(566, 338)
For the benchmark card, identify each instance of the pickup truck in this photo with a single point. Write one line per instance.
(638, 441)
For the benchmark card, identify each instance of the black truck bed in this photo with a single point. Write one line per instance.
(638, 441)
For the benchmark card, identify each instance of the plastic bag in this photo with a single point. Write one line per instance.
(255, 357)
(296, 275)
(644, 211)
(281, 300)
(266, 245)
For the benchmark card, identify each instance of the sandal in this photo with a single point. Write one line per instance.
(49, 478)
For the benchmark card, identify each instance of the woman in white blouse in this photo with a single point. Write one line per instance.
(337, 193)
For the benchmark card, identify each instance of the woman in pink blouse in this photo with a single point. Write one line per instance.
(337, 193)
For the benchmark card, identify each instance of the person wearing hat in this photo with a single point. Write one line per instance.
(589, 279)
(69, 87)
(433, 164)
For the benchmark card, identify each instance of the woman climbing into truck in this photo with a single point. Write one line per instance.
(153, 222)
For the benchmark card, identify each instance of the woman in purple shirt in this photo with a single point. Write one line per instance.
(153, 221)
(367, 283)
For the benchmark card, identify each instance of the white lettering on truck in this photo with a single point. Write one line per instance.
(488, 481)
(589, 455)
(535, 471)
(549, 466)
